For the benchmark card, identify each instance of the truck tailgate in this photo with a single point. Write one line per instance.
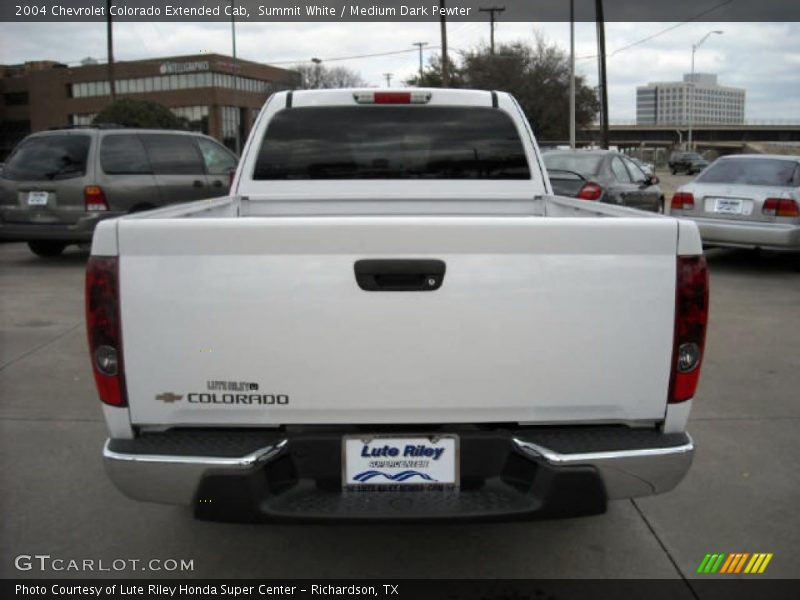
(260, 321)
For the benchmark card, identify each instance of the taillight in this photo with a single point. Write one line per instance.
(590, 191)
(691, 317)
(780, 207)
(414, 97)
(104, 328)
(682, 201)
(94, 198)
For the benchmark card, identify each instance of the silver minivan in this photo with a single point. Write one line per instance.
(56, 185)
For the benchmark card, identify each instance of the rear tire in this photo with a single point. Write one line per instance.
(47, 248)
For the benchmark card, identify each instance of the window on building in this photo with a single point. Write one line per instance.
(82, 119)
(196, 117)
(230, 126)
(15, 98)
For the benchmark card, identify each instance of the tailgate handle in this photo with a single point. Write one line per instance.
(399, 275)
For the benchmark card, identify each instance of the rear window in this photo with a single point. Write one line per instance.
(48, 157)
(753, 171)
(686, 156)
(584, 164)
(391, 142)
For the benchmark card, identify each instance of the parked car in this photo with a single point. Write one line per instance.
(406, 324)
(604, 176)
(57, 185)
(745, 201)
(688, 162)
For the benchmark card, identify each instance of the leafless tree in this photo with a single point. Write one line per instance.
(319, 76)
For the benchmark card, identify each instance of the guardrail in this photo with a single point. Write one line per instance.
(747, 123)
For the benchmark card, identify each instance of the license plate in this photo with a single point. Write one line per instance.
(393, 462)
(37, 198)
(727, 206)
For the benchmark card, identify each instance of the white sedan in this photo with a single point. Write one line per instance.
(745, 201)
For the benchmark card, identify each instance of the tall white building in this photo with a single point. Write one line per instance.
(670, 102)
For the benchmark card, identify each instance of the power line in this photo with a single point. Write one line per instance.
(354, 57)
(658, 33)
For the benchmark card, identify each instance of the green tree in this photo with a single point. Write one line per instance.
(139, 113)
(538, 77)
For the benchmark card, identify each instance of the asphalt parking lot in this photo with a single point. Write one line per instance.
(741, 495)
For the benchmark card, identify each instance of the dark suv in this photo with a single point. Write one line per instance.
(690, 162)
(56, 185)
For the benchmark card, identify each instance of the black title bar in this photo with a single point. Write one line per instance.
(265, 11)
(734, 588)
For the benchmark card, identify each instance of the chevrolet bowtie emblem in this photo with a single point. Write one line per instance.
(169, 397)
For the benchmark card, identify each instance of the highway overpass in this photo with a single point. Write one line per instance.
(722, 137)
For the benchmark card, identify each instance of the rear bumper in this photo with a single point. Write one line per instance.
(505, 474)
(738, 234)
(80, 231)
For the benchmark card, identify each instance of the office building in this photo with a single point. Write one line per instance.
(214, 93)
(670, 103)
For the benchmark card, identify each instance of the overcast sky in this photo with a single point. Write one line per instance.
(763, 58)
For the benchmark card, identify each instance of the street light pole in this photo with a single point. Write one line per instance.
(445, 59)
(238, 142)
(572, 74)
(601, 52)
(110, 47)
(420, 45)
(692, 86)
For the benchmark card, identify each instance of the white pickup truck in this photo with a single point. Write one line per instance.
(392, 317)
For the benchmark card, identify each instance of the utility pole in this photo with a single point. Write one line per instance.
(388, 79)
(236, 82)
(420, 45)
(491, 12)
(572, 74)
(601, 51)
(445, 59)
(110, 45)
(317, 72)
